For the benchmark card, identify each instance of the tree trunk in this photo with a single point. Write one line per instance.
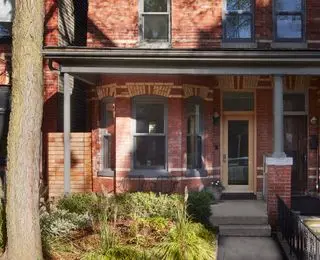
(23, 228)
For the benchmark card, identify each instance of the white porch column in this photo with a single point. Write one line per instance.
(278, 142)
(66, 131)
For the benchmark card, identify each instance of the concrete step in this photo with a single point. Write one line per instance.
(238, 220)
(245, 230)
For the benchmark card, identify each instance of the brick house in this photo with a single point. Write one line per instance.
(159, 95)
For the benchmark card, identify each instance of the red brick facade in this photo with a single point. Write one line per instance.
(194, 24)
(278, 183)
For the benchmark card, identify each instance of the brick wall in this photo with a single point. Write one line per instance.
(81, 177)
(279, 183)
(264, 123)
(195, 24)
(176, 147)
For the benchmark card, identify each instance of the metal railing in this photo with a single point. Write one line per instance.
(303, 242)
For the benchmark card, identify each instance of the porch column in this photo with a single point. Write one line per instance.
(278, 143)
(66, 131)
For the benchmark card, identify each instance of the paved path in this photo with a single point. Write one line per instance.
(248, 248)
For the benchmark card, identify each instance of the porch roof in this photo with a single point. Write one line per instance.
(83, 60)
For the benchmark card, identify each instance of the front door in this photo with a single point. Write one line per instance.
(237, 157)
(295, 146)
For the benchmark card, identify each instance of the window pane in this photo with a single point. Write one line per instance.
(238, 26)
(106, 152)
(5, 30)
(155, 5)
(289, 5)
(289, 26)
(6, 10)
(156, 27)
(150, 152)
(238, 152)
(106, 113)
(194, 152)
(234, 5)
(150, 118)
(238, 101)
(294, 102)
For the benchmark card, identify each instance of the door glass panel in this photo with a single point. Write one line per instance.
(238, 152)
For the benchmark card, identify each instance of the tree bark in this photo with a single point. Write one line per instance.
(23, 228)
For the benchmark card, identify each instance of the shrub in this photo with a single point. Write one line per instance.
(59, 223)
(144, 205)
(79, 203)
(198, 206)
(186, 241)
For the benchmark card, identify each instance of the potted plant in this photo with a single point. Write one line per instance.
(217, 188)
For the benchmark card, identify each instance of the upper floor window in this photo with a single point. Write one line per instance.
(238, 20)
(155, 20)
(6, 14)
(289, 20)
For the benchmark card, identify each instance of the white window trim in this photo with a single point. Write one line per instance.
(154, 43)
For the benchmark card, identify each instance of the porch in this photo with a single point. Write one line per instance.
(163, 117)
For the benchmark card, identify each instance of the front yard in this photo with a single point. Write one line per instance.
(129, 226)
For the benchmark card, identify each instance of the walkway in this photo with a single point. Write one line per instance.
(244, 232)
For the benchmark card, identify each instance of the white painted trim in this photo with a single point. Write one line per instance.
(312, 177)
(279, 161)
(260, 176)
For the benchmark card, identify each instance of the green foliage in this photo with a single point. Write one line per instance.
(111, 248)
(119, 252)
(79, 203)
(146, 205)
(59, 223)
(186, 241)
(198, 206)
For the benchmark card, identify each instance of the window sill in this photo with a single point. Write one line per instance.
(148, 173)
(154, 45)
(289, 45)
(106, 173)
(196, 173)
(239, 45)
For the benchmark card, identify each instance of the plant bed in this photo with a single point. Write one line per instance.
(129, 226)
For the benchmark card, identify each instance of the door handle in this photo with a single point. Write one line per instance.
(224, 158)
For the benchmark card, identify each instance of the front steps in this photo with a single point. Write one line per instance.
(241, 218)
(245, 230)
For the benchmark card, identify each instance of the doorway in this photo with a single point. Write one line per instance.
(295, 146)
(237, 155)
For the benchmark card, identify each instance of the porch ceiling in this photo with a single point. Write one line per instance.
(76, 60)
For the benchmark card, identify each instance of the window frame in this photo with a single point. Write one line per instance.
(277, 13)
(226, 13)
(149, 172)
(8, 22)
(106, 139)
(188, 103)
(142, 13)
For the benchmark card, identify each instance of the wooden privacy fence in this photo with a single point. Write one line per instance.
(81, 163)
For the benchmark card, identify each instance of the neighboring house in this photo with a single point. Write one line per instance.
(161, 94)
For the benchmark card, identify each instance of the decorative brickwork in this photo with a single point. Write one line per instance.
(81, 176)
(165, 89)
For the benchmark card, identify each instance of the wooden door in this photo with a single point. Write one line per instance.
(295, 146)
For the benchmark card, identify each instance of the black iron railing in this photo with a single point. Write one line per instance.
(303, 242)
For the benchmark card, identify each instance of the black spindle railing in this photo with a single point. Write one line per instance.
(303, 242)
